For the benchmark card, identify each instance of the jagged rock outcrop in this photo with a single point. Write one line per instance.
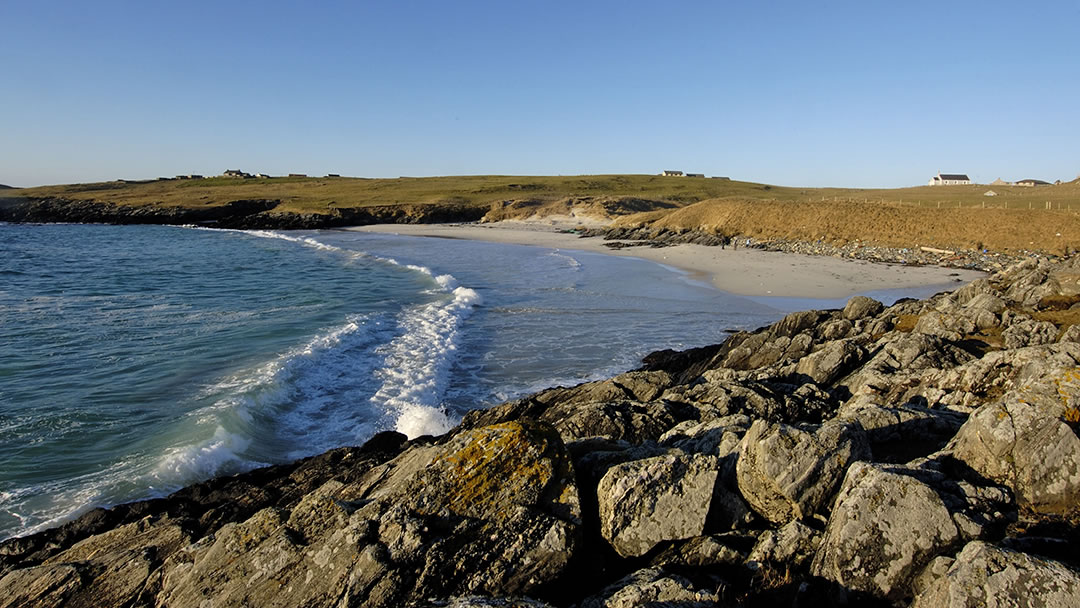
(492, 511)
(925, 453)
(246, 214)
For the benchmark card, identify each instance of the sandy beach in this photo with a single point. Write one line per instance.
(747, 272)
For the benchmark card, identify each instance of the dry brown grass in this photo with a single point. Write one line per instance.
(1062, 318)
(906, 323)
(876, 224)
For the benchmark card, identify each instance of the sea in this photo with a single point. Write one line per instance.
(135, 360)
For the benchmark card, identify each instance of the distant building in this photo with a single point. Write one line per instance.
(190, 176)
(695, 175)
(1000, 182)
(670, 173)
(950, 179)
(262, 176)
(1032, 182)
(236, 173)
(298, 175)
(332, 175)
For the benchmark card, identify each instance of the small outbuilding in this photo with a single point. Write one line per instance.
(670, 173)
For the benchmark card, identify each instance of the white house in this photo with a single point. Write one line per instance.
(949, 179)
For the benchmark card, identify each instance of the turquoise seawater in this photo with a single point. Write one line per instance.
(137, 359)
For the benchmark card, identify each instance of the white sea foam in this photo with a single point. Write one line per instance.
(416, 363)
(52, 503)
(410, 371)
(301, 398)
(571, 261)
(205, 459)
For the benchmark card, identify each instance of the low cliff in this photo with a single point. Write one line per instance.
(243, 214)
(922, 454)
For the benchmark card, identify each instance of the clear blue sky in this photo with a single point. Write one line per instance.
(869, 94)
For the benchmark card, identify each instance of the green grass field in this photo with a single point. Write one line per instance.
(318, 194)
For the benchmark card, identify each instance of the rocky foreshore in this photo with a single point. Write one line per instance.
(644, 236)
(241, 214)
(923, 454)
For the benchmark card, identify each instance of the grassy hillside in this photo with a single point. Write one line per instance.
(315, 194)
(1015, 218)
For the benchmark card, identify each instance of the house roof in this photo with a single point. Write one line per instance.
(1037, 182)
(953, 176)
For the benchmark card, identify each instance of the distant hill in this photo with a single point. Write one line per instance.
(951, 217)
(3, 187)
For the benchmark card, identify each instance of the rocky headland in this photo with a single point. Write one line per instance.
(239, 214)
(922, 454)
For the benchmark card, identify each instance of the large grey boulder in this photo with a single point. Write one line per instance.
(787, 473)
(1023, 441)
(860, 307)
(652, 588)
(885, 527)
(645, 502)
(985, 575)
(833, 361)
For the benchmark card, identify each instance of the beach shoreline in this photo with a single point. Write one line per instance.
(745, 272)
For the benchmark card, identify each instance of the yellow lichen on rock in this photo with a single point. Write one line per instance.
(489, 470)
